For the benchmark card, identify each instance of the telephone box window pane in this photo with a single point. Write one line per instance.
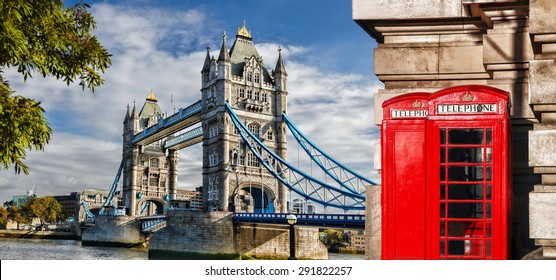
(466, 136)
(489, 135)
(465, 154)
(442, 136)
(442, 191)
(442, 155)
(478, 230)
(442, 173)
(474, 248)
(456, 247)
(466, 210)
(477, 173)
(467, 192)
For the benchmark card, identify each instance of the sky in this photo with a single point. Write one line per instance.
(161, 46)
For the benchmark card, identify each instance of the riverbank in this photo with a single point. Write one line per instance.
(31, 234)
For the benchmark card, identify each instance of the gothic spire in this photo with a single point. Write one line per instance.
(134, 110)
(224, 56)
(206, 65)
(280, 68)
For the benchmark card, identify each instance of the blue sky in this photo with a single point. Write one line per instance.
(160, 45)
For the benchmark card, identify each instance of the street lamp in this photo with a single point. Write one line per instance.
(292, 219)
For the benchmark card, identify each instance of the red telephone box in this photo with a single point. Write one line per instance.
(445, 174)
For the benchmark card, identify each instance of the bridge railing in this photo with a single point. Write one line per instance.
(186, 136)
(166, 122)
(325, 220)
(150, 222)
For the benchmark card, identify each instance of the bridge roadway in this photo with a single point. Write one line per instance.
(182, 119)
(153, 223)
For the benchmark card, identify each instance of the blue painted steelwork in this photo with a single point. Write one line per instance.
(348, 178)
(145, 205)
(88, 212)
(184, 137)
(181, 115)
(152, 223)
(108, 202)
(296, 180)
(320, 220)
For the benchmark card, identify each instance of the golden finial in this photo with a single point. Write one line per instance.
(151, 96)
(243, 31)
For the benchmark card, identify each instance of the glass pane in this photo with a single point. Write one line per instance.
(489, 249)
(442, 191)
(465, 136)
(442, 155)
(442, 173)
(466, 210)
(468, 192)
(443, 136)
(474, 248)
(489, 136)
(465, 155)
(456, 247)
(478, 230)
(488, 154)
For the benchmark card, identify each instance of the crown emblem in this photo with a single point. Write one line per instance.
(417, 104)
(467, 97)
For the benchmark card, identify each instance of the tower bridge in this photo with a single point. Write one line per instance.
(241, 122)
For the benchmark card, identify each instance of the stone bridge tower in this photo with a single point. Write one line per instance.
(149, 174)
(233, 179)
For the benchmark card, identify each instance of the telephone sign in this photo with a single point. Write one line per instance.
(445, 170)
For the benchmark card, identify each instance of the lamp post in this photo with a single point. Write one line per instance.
(292, 219)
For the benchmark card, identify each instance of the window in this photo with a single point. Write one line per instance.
(213, 160)
(257, 95)
(257, 78)
(213, 188)
(263, 97)
(249, 94)
(252, 160)
(154, 180)
(249, 77)
(241, 93)
(154, 162)
(270, 135)
(213, 130)
(255, 129)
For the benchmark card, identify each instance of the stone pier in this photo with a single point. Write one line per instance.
(118, 231)
(213, 235)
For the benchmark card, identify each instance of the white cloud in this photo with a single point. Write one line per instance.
(163, 50)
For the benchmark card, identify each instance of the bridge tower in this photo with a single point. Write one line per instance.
(148, 175)
(233, 179)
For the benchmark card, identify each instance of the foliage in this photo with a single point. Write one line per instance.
(3, 216)
(47, 209)
(333, 237)
(14, 214)
(47, 38)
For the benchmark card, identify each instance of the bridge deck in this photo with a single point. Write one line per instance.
(318, 220)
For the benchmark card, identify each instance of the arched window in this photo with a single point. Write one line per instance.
(249, 94)
(270, 135)
(255, 129)
(252, 160)
(257, 78)
(263, 97)
(154, 162)
(249, 77)
(241, 93)
(257, 94)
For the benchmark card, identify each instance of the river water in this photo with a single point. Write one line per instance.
(43, 249)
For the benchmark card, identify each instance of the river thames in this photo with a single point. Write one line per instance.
(43, 249)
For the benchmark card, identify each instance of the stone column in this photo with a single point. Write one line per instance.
(542, 140)
(173, 159)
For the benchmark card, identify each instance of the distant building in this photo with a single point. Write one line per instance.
(189, 199)
(71, 205)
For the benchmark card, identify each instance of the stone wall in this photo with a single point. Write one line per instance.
(114, 231)
(213, 235)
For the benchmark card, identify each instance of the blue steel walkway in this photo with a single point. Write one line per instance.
(317, 220)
